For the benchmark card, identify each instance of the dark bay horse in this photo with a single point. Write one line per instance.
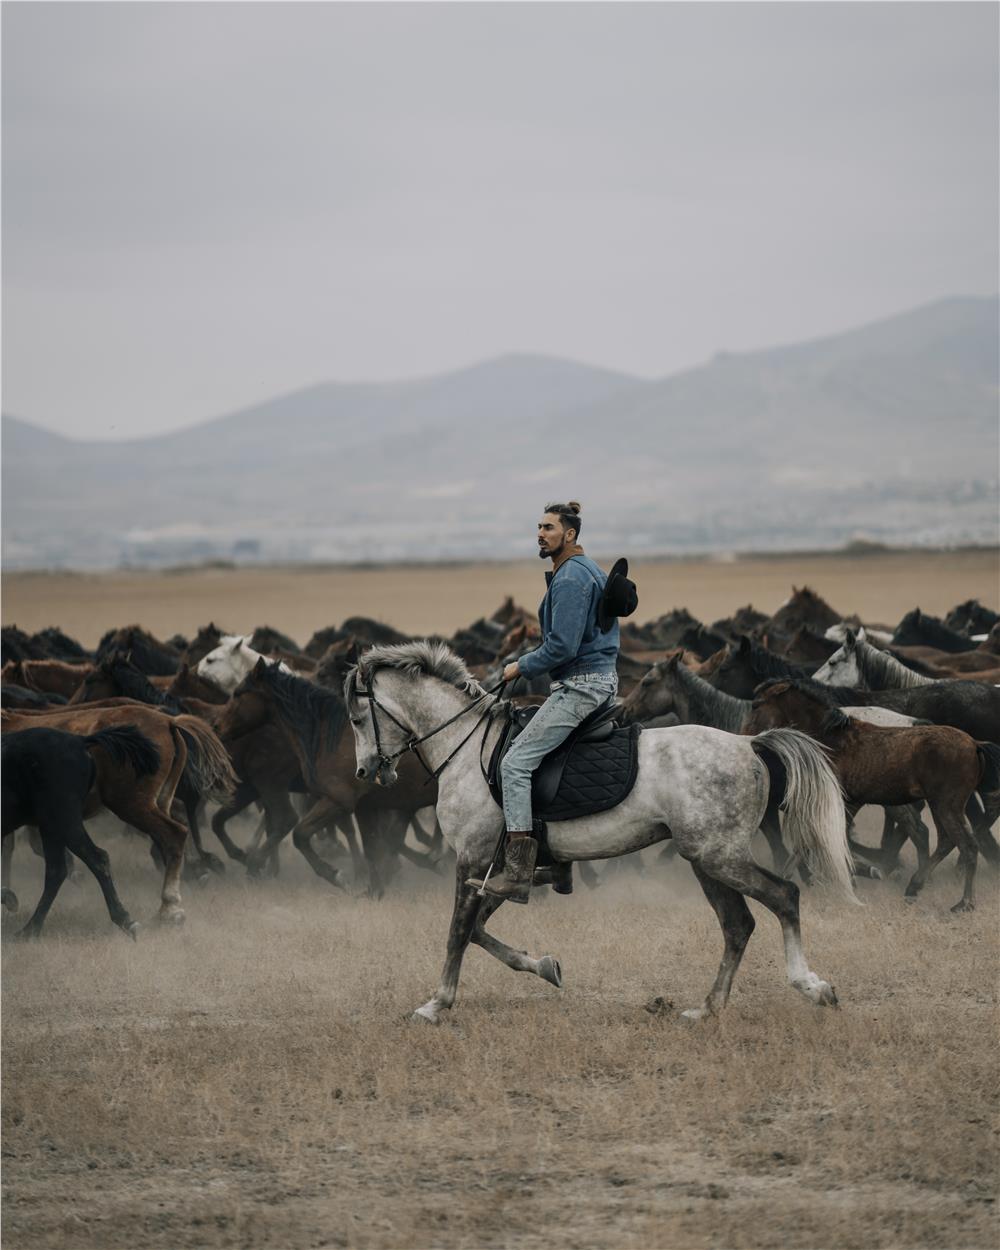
(936, 763)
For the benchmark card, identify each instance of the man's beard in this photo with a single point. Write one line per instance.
(544, 553)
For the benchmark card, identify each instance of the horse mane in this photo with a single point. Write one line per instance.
(767, 664)
(421, 658)
(317, 714)
(134, 684)
(834, 720)
(723, 710)
(921, 628)
(823, 695)
(149, 654)
(882, 671)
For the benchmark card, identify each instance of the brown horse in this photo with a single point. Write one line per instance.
(186, 684)
(264, 763)
(48, 676)
(941, 765)
(315, 724)
(145, 803)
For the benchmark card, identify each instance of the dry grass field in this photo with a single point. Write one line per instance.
(253, 1080)
(437, 598)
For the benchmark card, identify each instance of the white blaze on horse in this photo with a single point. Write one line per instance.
(706, 789)
(231, 661)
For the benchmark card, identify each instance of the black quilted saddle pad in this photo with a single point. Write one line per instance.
(587, 778)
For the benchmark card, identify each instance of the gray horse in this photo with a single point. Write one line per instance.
(706, 789)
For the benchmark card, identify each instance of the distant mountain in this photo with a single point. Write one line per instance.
(890, 429)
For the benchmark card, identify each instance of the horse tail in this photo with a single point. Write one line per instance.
(208, 765)
(127, 745)
(989, 765)
(815, 821)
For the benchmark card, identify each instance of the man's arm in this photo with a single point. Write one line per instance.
(570, 606)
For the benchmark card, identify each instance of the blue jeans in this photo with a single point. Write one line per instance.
(570, 702)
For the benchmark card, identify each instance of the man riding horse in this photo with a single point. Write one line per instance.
(579, 651)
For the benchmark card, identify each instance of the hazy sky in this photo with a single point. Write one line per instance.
(205, 205)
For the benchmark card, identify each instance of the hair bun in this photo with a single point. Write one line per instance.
(574, 506)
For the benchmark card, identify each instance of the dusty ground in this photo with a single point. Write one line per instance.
(252, 1080)
(437, 599)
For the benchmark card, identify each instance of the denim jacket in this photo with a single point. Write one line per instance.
(572, 644)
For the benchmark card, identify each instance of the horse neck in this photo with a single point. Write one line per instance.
(880, 671)
(708, 706)
(423, 704)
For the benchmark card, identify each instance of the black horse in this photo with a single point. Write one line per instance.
(48, 777)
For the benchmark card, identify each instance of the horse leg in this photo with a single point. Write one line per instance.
(244, 796)
(981, 820)
(374, 848)
(960, 832)
(588, 874)
(782, 898)
(547, 968)
(737, 925)
(902, 823)
(770, 827)
(302, 835)
(96, 859)
(422, 859)
(54, 853)
(438, 849)
(463, 919)
(206, 861)
(279, 816)
(170, 836)
(7, 896)
(348, 828)
(781, 859)
(944, 848)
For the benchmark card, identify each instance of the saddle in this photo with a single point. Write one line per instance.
(593, 770)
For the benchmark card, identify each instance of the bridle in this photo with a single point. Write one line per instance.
(412, 744)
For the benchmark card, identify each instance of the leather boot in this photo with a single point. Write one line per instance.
(514, 883)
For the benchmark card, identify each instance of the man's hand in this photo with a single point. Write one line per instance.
(511, 672)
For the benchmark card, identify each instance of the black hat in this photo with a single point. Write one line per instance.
(620, 597)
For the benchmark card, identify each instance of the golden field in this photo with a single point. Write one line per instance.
(439, 598)
(253, 1080)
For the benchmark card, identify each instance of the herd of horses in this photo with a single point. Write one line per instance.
(908, 717)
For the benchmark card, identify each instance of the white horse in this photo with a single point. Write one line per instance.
(231, 661)
(863, 667)
(706, 789)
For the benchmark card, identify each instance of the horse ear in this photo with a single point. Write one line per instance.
(183, 670)
(850, 639)
(744, 645)
(260, 667)
(673, 661)
(236, 643)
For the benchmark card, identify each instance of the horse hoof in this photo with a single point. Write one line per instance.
(214, 864)
(175, 916)
(428, 1013)
(964, 905)
(549, 970)
(9, 900)
(820, 993)
(694, 1014)
(132, 929)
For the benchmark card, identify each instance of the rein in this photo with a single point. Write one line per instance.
(413, 743)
